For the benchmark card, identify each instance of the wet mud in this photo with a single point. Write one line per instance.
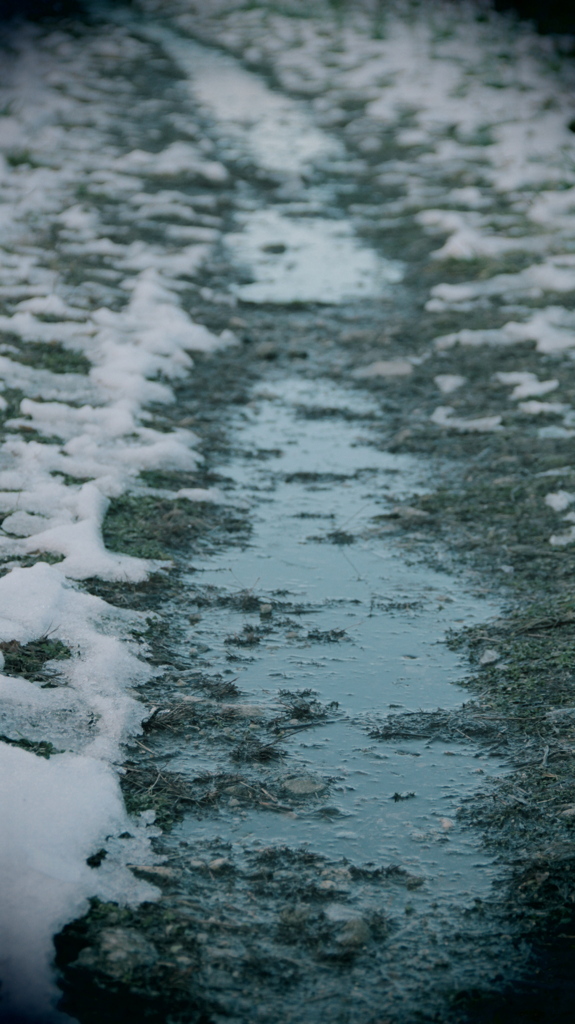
(269, 902)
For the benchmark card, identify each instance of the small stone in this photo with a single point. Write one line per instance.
(220, 864)
(198, 864)
(384, 368)
(569, 812)
(340, 913)
(120, 951)
(266, 350)
(245, 710)
(291, 635)
(408, 512)
(341, 874)
(154, 869)
(354, 933)
(446, 824)
(489, 656)
(266, 609)
(303, 786)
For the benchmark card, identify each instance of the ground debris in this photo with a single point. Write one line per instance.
(29, 659)
(469, 722)
(302, 707)
(183, 716)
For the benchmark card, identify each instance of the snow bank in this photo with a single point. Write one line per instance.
(68, 278)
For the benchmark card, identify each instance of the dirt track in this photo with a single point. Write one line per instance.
(437, 386)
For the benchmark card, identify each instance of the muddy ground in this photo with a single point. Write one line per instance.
(193, 955)
(254, 941)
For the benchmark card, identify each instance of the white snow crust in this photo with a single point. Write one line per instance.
(73, 442)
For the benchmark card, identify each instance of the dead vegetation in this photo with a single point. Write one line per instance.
(29, 659)
(182, 717)
(303, 706)
(216, 687)
(251, 749)
(151, 527)
(470, 722)
(170, 794)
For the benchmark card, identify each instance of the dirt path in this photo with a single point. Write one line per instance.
(354, 228)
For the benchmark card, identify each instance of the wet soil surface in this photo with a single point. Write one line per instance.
(313, 768)
(358, 745)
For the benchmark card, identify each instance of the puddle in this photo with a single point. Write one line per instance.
(277, 132)
(316, 479)
(291, 258)
(306, 259)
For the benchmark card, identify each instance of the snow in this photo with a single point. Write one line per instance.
(443, 417)
(559, 500)
(526, 384)
(126, 316)
(44, 883)
(449, 382)
(49, 828)
(308, 259)
(552, 329)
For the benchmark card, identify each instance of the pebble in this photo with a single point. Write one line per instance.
(354, 933)
(338, 873)
(302, 786)
(266, 609)
(384, 368)
(245, 710)
(154, 869)
(120, 951)
(408, 512)
(339, 913)
(266, 350)
(489, 656)
(220, 864)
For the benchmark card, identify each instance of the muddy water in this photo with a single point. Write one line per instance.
(368, 639)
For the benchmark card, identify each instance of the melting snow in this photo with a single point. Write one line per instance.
(307, 259)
